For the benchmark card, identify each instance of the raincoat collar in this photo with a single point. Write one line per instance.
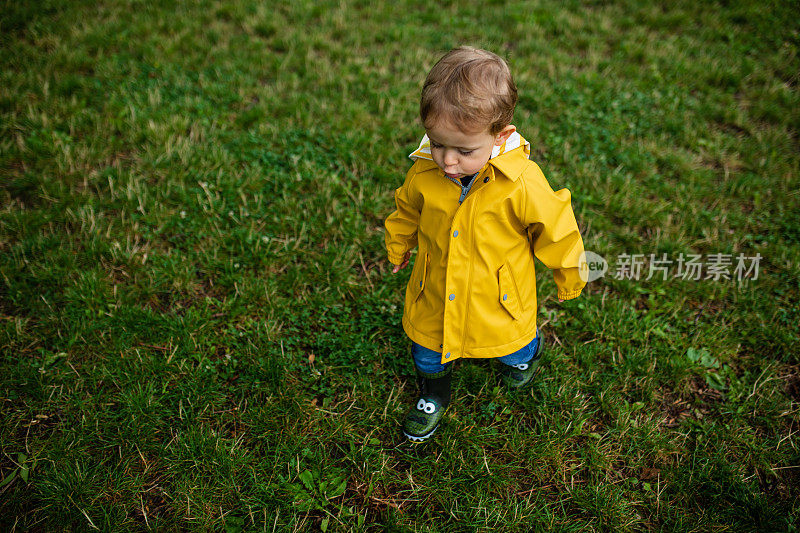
(507, 158)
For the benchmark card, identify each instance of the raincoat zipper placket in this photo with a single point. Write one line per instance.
(469, 275)
(471, 243)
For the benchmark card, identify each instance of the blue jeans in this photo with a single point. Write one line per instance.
(429, 361)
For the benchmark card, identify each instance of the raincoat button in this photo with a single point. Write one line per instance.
(447, 355)
(452, 297)
(486, 179)
(441, 346)
(505, 297)
(455, 233)
(420, 284)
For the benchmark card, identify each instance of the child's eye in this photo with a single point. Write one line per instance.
(465, 152)
(435, 145)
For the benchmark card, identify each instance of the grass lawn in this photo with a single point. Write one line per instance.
(199, 329)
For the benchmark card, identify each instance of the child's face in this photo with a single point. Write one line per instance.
(462, 153)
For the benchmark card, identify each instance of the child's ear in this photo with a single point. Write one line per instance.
(504, 134)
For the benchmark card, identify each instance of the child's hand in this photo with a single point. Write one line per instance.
(398, 268)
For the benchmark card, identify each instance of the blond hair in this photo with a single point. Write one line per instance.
(472, 89)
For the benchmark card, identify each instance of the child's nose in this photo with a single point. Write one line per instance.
(450, 159)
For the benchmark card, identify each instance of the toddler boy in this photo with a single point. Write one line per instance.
(478, 210)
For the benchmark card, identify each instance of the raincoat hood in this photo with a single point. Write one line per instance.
(513, 142)
(510, 158)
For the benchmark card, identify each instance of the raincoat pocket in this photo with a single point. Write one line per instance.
(418, 281)
(509, 295)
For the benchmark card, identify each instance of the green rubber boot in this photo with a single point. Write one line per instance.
(519, 376)
(425, 416)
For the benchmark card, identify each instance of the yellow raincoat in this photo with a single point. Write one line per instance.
(472, 291)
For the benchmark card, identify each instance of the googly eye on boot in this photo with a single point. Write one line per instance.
(522, 375)
(426, 407)
(423, 419)
(425, 415)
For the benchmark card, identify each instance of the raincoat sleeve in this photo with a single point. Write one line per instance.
(401, 225)
(553, 233)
